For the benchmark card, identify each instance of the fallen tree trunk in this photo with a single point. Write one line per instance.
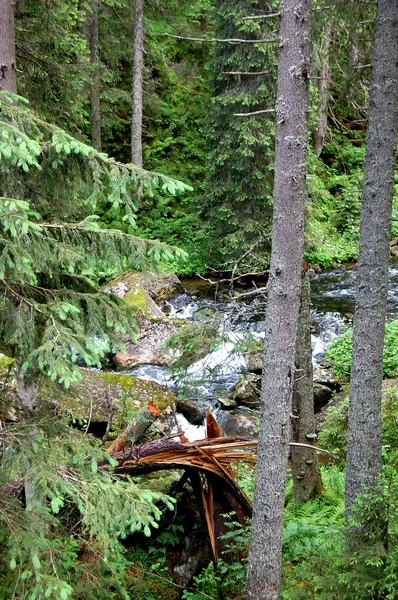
(136, 428)
(211, 457)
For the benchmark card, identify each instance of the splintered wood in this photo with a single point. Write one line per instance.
(209, 463)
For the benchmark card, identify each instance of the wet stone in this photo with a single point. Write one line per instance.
(191, 410)
(227, 403)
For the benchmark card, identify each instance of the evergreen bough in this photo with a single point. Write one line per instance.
(63, 513)
(52, 248)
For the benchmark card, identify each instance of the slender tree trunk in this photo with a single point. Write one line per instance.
(27, 408)
(138, 67)
(323, 85)
(364, 460)
(95, 85)
(352, 62)
(264, 572)
(8, 73)
(304, 462)
(26, 390)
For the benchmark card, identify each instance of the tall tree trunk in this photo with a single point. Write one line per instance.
(264, 572)
(323, 85)
(8, 73)
(304, 462)
(352, 63)
(138, 66)
(364, 460)
(95, 85)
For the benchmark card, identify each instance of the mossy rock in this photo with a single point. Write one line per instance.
(240, 422)
(136, 288)
(135, 296)
(247, 391)
(155, 327)
(6, 364)
(97, 392)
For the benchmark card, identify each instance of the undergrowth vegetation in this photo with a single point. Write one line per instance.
(314, 539)
(69, 545)
(339, 353)
(314, 553)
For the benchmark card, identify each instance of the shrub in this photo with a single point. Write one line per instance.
(339, 353)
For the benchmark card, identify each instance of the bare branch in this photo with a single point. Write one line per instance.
(256, 292)
(246, 72)
(256, 112)
(268, 16)
(321, 8)
(228, 41)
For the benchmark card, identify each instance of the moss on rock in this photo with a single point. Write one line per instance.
(6, 363)
(98, 393)
(142, 304)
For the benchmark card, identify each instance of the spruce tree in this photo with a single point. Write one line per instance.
(283, 303)
(62, 514)
(364, 437)
(238, 190)
(53, 247)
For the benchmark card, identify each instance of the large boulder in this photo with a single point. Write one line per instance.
(138, 291)
(240, 422)
(227, 403)
(148, 349)
(191, 410)
(162, 287)
(159, 287)
(100, 395)
(247, 391)
(324, 376)
(322, 395)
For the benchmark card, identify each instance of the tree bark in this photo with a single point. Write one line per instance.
(364, 460)
(264, 572)
(26, 390)
(323, 85)
(8, 73)
(304, 462)
(95, 85)
(138, 65)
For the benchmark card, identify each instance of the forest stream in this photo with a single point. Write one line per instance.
(215, 375)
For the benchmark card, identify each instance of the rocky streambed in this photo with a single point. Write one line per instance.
(226, 380)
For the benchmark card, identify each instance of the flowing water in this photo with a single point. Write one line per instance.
(332, 298)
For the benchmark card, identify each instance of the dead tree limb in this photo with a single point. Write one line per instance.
(219, 40)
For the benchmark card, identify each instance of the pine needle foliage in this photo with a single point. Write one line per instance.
(238, 189)
(52, 247)
(67, 543)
